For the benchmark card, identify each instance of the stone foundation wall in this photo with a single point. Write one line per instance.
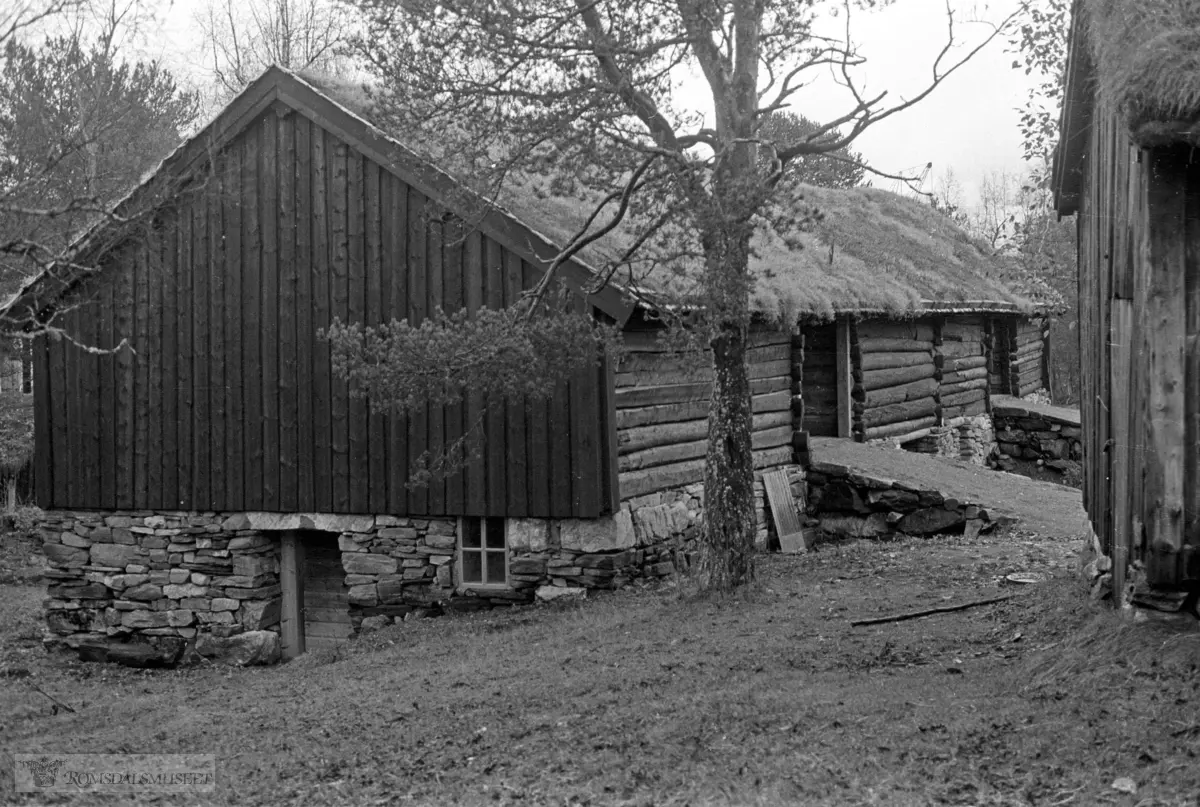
(846, 503)
(1050, 435)
(967, 438)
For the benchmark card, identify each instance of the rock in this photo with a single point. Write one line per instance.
(117, 555)
(260, 614)
(364, 595)
(534, 566)
(652, 525)
(1102, 588)
(241, 650)
(531, 534)
(71, 539)
(594, 535)
(841, 495)
(261, 593)
(145, 619)
(900, 500)
(398, 533)
(370, 623)
(80, 591)
(60, 555)
(368, 563)
(972, 528)
(180, 618)
(163, 653)
(346, 543)
(929, 520)
(146, 592)
(67, 622)
(238, 521)
(551, 593)
(245, 542)
(224, 604)
(328, 522)
(440, 541)
(253, 565)
(178, 592)
(124, 522)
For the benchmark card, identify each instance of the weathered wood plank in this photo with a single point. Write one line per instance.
(888, 361)
(882, 344)
(395, 263)
(913, 390)
(1165, 323)
(898, 413)
(322, 316)
(45, 373)
(899, 428)
(141, 361)
(185, 296)
(269, 311)
(305, 332)
(287, 389)
(418, 418)
(291, 578)
(475, 490)
(252, 377)
(516, 437)
(356, 301)
(169, 261)
(788, 527)
(642, 437)
(376, 422)
(339, 156)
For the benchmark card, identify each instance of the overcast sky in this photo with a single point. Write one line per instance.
(969, 124)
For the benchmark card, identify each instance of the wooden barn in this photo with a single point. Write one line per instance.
(207, 478)
(1126, 165)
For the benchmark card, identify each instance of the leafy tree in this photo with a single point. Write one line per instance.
(78, 129)
(1039, 39)
(842, 168)
(579, 99)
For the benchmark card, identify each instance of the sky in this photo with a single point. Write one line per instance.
(968, 125)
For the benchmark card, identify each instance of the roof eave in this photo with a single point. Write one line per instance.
(1074, 121)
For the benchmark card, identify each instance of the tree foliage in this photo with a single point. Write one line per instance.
(582, 98)
(1040, 39)
(843, 168)
(78, 128)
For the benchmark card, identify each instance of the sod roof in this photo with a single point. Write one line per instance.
(1146, 56)
(872, 251)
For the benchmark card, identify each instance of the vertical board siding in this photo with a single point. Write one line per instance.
(819, 380)
(1139, 251)
(230, 402)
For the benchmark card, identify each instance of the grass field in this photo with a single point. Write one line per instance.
(648, 698)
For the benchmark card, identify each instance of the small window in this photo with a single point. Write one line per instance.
(482, 552)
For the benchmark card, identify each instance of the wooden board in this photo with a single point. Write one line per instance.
(326, 598)
(788, 526)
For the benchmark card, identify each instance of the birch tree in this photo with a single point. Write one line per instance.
(585, 98)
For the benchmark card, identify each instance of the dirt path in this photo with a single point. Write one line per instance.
(1043, 508)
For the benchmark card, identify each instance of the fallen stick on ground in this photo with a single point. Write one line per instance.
(56, 701)
(941, 609)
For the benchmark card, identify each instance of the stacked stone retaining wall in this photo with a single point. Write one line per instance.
(1048, 435)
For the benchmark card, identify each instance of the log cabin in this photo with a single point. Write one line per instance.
(207, 477)
(1126, 166)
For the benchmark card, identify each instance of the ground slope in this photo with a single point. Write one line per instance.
(1041, 507)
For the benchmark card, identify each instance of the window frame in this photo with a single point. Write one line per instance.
(483, 552)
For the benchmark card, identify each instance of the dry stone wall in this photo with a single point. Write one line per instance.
(155, 588)
(1049, 435)
(846, 503)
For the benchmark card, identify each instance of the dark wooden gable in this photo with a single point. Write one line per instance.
(230, 403)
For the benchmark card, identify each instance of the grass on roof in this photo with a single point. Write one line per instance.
(1147, 55)
(873, 250)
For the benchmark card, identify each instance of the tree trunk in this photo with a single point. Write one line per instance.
(729, 522)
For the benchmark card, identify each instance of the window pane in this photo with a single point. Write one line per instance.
(495, 567)
(472, 567)
(495, 533)
(470, 533)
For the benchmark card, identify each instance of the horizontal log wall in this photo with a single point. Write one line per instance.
(962, 358)
(895, 382)
(662, 410)
(230, 402)
(819, 379)
(1026, 357)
